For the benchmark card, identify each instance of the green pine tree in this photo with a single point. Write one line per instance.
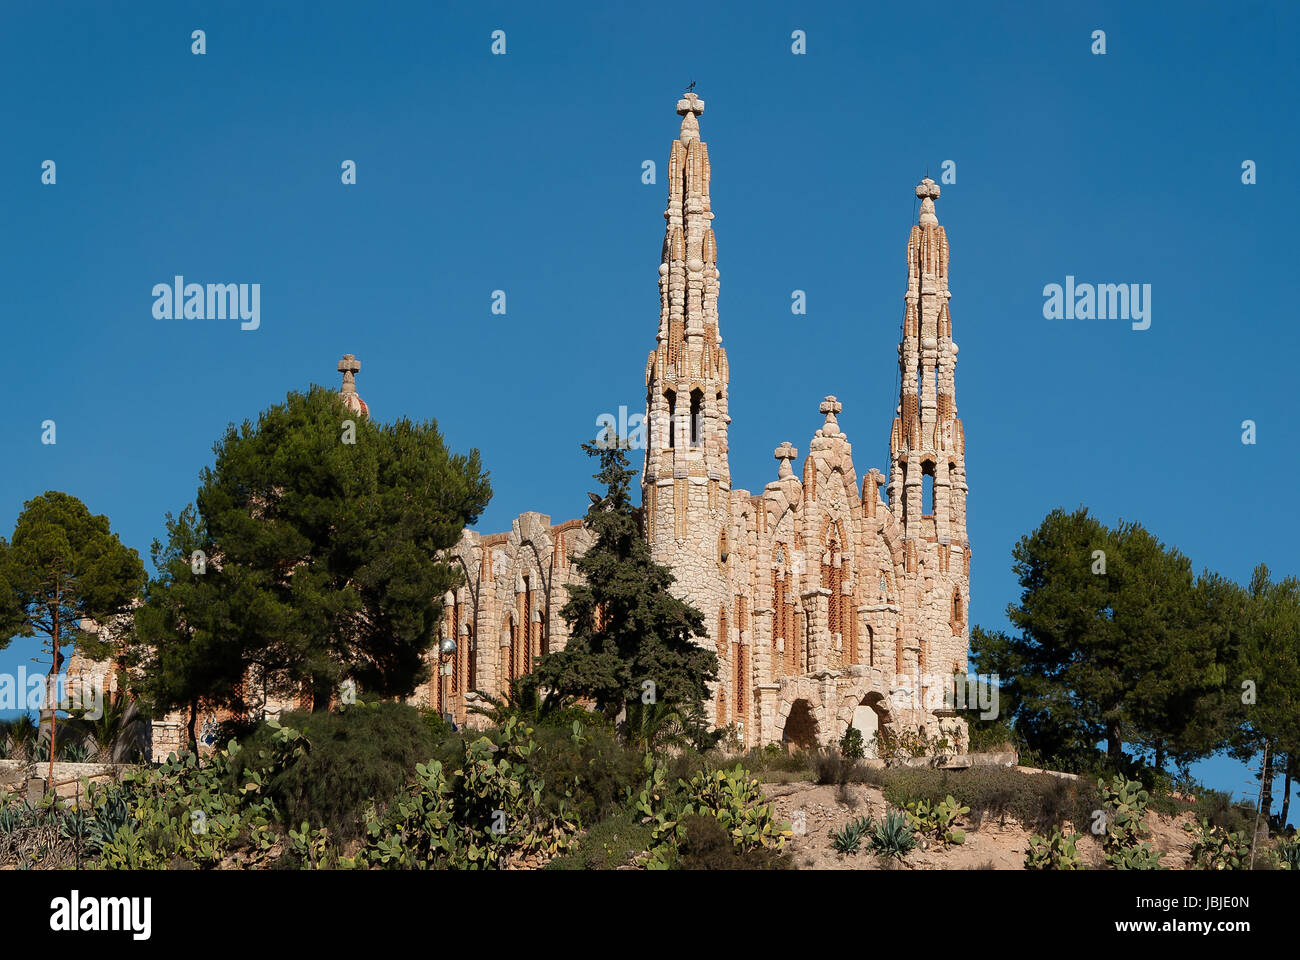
(327, 532)
(629, 637)
(62, 566)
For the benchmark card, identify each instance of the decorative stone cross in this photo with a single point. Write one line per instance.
(785, 453)
(349, 366)
(928, 191)
(830, 406)
(689, 107)
(927, 188)
(690, 103)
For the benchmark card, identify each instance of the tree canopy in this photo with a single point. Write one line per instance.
(323, 533)
(1119, 641)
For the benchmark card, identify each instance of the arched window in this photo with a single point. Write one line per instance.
(672, 418)
(927, 490)
(958, 612)
(697, 416)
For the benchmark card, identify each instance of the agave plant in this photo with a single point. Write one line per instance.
(848, 839)
(894, 837)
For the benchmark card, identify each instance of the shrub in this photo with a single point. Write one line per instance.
(851, 744)
(1218, 809)
(708, 846)
(613, 842)
(1288, 854)
(732, 797)
(1214, 848)
(482, 816)
(1056, 852)
(1124, 806)
(187, 813)
(1039, 801)
(938, 821)
(893, 838)
(362, 754)
(586, 773)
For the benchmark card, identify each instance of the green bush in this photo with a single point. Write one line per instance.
(481, 816)
(938, 821)
(187, 813)
(732, 797)
(1056, 852)
(613, 842)
(362, 754)
(586, 771)
(1214, 848)
(1124, 844)
(1219, 810)
(1038, 801)
(851, 744)
(708, 846)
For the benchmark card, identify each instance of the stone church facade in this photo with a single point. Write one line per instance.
(832, 598)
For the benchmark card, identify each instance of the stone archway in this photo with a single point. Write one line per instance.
(866, 709)
(801, 728)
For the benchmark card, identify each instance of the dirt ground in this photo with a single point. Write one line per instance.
(991, 847)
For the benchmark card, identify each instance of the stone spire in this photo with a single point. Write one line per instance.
(686, 484)
(350, 366)
(927, 478)
(686, 376)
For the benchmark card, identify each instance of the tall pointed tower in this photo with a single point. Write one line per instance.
(686, 484)
(927, 449)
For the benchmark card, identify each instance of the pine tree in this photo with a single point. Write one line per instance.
(629, 637)
(1268, 679)
(327, 531)
(1118, 642)
(62, 567)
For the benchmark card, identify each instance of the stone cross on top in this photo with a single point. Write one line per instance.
(830, 406)
(349, 366)
(689, 107)
(785, 453)
(928, 191)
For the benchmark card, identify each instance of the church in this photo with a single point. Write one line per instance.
(832, 598)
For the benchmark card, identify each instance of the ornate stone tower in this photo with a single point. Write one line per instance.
(686, 483)
(927, 479)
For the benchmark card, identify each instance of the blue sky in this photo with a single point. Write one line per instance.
(522, 173)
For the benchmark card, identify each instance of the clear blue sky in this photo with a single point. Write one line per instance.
(523, 173)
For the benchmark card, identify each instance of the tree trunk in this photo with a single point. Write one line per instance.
(1160, 754)
(1114, 745)
(192, 726)
(54, 680)
(1286, 790)
(322, 692)
(1266, 789)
